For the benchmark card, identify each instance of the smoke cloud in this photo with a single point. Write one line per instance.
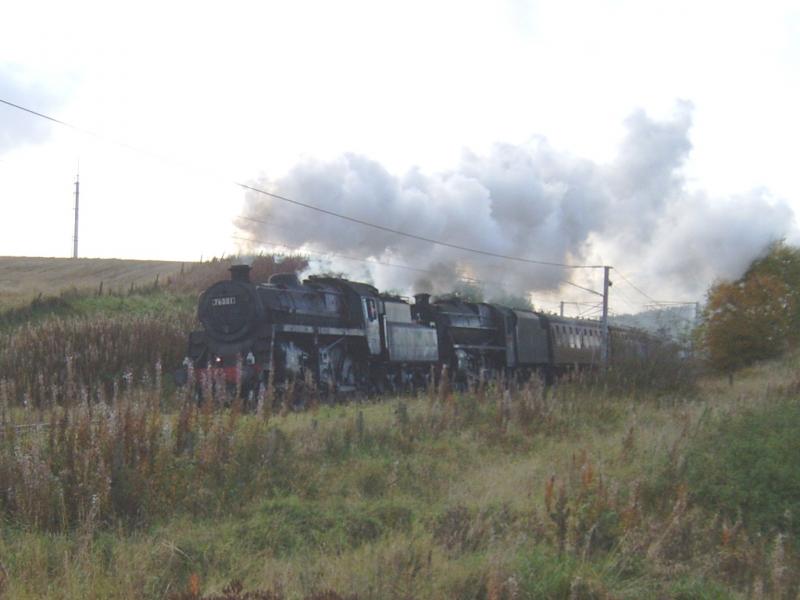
(534, 201)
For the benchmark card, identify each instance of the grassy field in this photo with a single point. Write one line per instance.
(24, 278)
(115, 485)
(581, 494)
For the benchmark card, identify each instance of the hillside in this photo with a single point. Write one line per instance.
(588, 492)
(625, 485)
(22, 278)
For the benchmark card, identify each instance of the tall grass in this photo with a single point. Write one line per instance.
(47, 363)
(98, 339)
(114, 485)
(360, 500)
(129, 457)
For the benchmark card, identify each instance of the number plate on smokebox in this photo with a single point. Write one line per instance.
(223, 301)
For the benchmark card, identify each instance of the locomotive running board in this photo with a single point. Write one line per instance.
(310, 329)
(477, 347)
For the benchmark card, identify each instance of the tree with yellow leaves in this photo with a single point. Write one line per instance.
(748, 320)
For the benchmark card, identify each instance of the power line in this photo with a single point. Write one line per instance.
(631, 303)
(580, 287)
(589, 311)
(328, 255)
(98, 136)
(254, 240)
(332, 213)
(335, 255)
(628, 281)
(42, 115)
(592, 304)
(653, 301)
(673, 303)
(345, 217)
(406, 234)
(394, 265)
(370, 261)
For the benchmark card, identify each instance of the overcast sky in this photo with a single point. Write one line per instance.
(217, 92)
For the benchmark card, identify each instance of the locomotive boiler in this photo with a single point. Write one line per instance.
(340, 334)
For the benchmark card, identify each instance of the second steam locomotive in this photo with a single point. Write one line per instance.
(347, 336)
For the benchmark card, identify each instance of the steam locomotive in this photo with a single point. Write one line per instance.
(347, 336)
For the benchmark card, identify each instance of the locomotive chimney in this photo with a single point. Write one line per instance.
(422, 299)
(240, 273)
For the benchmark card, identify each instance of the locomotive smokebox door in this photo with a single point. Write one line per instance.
(372, 327)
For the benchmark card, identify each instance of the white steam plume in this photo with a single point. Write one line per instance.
(530, 201)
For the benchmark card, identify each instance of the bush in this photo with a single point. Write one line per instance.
(286, 526)
(544, 574)
(698, 589)
(747, 464)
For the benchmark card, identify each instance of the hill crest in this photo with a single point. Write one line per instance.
(24, 277)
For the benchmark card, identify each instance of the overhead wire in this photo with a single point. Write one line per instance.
(673, 303)
(338, 215)
(404, 233)
(590, 309)
(657, 305)
(631, 304)
(564, 281)
(630, 283)
(329, 255)
(325, 211)
(578, 303)
(254, 240)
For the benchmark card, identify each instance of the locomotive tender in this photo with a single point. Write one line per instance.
(347, 336)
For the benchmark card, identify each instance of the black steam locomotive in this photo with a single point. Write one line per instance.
(347, 336)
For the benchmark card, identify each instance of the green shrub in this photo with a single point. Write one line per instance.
(543, 574)
(372, 481)
(747, 464)
(285, 526)
(691, 588)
